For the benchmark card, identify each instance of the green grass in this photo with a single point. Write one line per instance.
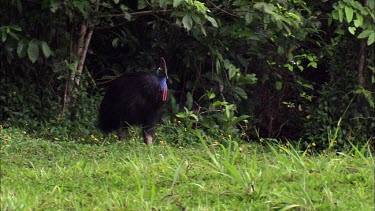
(43, 175)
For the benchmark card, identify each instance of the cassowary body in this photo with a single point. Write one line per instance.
(134, 99)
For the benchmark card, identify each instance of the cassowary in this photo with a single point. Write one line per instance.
(135, 99)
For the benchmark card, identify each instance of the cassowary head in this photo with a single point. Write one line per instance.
(162, 73)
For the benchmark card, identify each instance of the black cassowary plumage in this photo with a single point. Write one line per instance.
(134, 99)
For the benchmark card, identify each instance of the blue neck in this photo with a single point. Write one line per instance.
(163, 83)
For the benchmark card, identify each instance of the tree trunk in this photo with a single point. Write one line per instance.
(362, 57)
(74, 79)
(362, 63)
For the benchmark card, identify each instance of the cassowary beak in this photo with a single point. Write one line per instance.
(163, 66)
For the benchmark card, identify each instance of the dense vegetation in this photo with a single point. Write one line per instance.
(271, 104)
(255, 70)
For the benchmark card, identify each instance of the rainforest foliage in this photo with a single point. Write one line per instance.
(255, 70)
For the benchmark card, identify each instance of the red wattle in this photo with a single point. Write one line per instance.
(165, 94)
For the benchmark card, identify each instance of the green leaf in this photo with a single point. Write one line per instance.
(189, 100)
(335, 15)
(371, 38)
(349, 14)
(248, 17)
(313, 64)
(127, 16)
(181, 115)
(365, 34)
(211, 95)
(142, 4)
(279, 85)
(16, 28)
(239, 119)
(232, 72)
(174, 104)
(21, 48)
(196, 19)
(116, 1)
(352, 30)
(371, 4)
(248, 79)
(54, 5)
(45, 49)
(203, 30)
(187, 21)
(359, 21)
(33, 50)
(4, 35)
(238, 90)
(82, 7)
(226, 64)
(212, 21)
(19, 6)
(294, 16)
(177, 3)
(12, 34)
(218, 66)
(341, 16)
(227, 111)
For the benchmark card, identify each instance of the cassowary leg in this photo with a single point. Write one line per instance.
(121, 133)
(147, 135)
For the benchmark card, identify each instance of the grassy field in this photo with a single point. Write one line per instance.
(43, 175)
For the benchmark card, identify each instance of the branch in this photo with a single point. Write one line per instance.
(136, 13)
(224, 11)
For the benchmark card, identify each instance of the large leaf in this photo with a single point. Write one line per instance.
(33, 50)
(279, 85)
(359, 21)
(189, 101)
(45, 49)
(82, 6)
(371, 38)
(239, 119)
(248, 79)
(212, 21)
(240, 92)
(4, 35)
(177, 3)
(22, 48)
(349, 14)
(187, 21)
(232, 72)
(341, 15)
(352, 30)
(248, 17)
(365, 34)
